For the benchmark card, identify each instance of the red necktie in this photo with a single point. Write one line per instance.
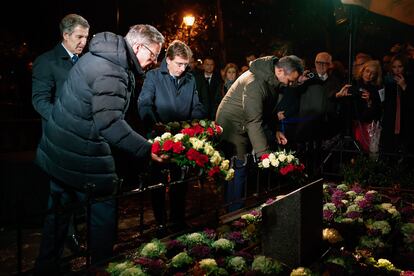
(398, 113)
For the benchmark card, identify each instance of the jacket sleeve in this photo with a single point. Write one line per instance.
(198, 111)
(253, 110)
(146, 101)
(108, 108)
(43, 87)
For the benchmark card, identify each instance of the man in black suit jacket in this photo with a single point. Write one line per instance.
(209, 87)
(50, 70)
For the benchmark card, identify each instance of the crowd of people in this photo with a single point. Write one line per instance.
(271, 101)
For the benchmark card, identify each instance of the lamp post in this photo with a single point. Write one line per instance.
(189, 22)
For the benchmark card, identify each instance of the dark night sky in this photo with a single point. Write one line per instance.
(249, 25)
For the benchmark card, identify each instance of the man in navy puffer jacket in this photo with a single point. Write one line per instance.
(86, 121)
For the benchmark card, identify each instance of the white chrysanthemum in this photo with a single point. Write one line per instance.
(381, 225)
(275, 163)
(208, 263)
(208, 149)
(225, 164)
(229, 175)
(344, 201)
(343, 187)
(166, 135)
(351, 194)
(266, 163)
(394, 212)
(215, 159)
(329, 206)
(196, 143)
(178, 137)
(386, 206)
(282, 157)
(359, 198)
(353, 208)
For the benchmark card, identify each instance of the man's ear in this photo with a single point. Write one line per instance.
(135, 47)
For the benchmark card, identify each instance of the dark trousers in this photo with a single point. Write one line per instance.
(103, 225)
(235, 188)
(177, 195)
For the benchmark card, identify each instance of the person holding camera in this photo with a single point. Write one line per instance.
(362, 101)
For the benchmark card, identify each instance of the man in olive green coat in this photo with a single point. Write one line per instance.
(248, 116)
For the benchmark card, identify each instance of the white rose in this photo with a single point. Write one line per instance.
(230, 175)
(225, 164)
(266, 163)
(215, 159)
(178, 137)
(274, 162)
(282, 157)
(290, 157)
(158, 138)
(196, 143)
(166, 135)
(208, 149)
(272, 157)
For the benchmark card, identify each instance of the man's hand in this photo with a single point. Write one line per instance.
(281, 138)
(161, 159)
(281, 115)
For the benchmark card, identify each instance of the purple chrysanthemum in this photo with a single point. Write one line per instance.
(200, 251)
(327, 215)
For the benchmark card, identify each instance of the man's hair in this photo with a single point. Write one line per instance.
(178, 48)
(70, 21)
(143, 34)
(290, 64)
(325, 55)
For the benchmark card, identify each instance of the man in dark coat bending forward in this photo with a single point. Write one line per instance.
(87, 119)
(248, 116)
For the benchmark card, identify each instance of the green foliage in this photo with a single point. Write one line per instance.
(380, 173)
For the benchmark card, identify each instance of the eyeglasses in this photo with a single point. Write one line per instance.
(152, 54)
(322, 63)
(179, 64)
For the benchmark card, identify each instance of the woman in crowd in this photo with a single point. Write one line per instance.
(363, 101)
(230, 73)
(397, 135)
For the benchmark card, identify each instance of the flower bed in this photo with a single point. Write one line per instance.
(366, 234)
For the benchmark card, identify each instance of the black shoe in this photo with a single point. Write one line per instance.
(72, 243)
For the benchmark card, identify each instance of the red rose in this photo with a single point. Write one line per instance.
(264, 156)
(213, 171)
(218, 129)
(188, 131)
(168, 145)
(201, 160)
(198, 129)
(155, 148)
(192, 154)
(178, 147)
(210, 131)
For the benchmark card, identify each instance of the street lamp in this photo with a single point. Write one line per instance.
(189, 22)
